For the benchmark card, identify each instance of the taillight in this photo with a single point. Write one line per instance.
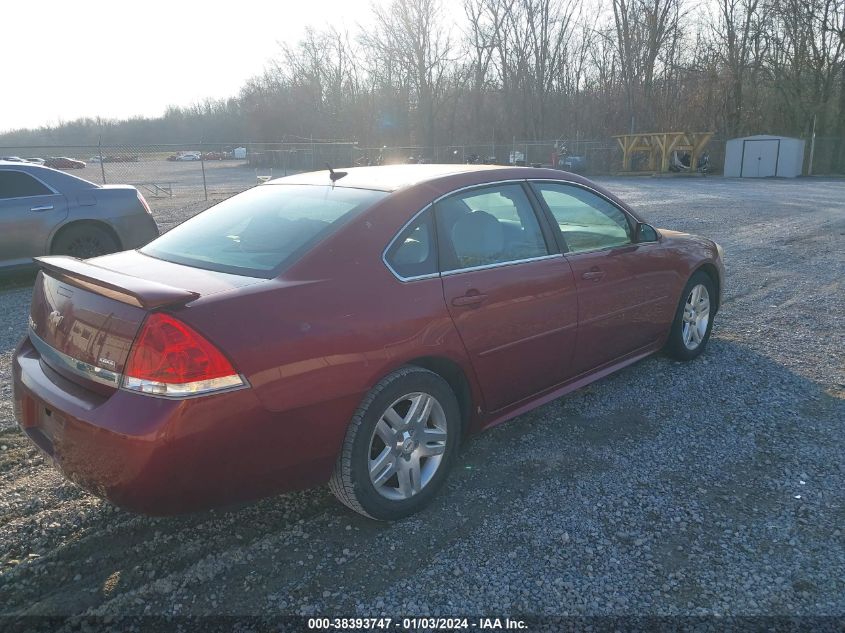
(169, 358)
(144, 203)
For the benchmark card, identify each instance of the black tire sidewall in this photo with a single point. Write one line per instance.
(675, 345)
(373, 503)
(68, 235)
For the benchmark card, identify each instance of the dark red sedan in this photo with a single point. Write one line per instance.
(346, 327)
(63, 162)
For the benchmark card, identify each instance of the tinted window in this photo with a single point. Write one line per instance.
(16, 184)
(260, 230)
(414, 252)
(485, 226)
(588, 222)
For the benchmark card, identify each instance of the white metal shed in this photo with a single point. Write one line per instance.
(764, 156)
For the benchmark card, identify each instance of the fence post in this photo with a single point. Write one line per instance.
(812, 148)
(202, 165)
(100, 153)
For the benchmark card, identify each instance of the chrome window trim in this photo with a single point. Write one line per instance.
(26, 173)
(396, 237)
(78, 367)
(456, 270)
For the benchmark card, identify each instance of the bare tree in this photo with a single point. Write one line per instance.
(413, 32)
(643, 29)
(736, 29)
(486, 22)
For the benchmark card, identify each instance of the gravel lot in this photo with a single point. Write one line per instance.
(714, 487)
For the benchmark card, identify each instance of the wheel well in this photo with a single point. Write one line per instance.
(96, 223)
(452, 373)
(710, 271)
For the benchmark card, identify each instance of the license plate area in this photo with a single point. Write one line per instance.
(41, 423)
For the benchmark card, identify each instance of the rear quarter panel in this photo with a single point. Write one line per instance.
(119, 208)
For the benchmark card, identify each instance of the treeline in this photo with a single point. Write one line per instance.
(530, 69)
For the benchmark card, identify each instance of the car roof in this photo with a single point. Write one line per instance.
(58, 180)
(388, 177)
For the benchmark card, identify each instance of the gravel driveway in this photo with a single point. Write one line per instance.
(713, 487)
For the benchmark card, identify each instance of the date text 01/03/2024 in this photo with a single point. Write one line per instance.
(413, 624)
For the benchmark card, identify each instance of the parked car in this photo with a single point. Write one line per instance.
(572, 163)
(347, 327)
(13, 159)
(63, 162)
(213, 155)
(35, 161)
(189, 156)
(44, 211)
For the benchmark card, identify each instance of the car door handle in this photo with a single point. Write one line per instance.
(45, 207)
(469, 300)
(593, 275)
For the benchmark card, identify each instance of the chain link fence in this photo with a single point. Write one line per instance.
(189, 172)
(172, 176)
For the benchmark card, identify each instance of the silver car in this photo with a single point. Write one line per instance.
(44, 211)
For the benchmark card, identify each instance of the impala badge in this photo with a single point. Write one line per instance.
(55, 320)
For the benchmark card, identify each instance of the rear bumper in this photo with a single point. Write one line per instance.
(162, 456)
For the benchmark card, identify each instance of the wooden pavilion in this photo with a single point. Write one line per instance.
(659, 147)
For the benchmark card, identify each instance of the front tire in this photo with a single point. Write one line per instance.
(693, 319)
(399, 447)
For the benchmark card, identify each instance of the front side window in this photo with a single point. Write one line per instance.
(588, 222)
(414, 252)
(16, 184)
(261, 230)
(488, 225)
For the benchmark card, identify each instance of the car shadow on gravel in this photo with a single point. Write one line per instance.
(686, 471)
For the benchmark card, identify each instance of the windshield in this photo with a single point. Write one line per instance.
(261, 230)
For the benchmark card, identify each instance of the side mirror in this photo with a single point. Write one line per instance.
(646, 233)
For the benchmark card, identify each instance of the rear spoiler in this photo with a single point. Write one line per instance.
(142, 293)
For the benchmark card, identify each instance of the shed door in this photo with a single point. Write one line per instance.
(760, 158)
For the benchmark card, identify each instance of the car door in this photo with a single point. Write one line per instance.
(29, 210)
(624, 286)
(509, 291)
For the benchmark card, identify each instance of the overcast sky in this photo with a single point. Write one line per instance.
(116, 59)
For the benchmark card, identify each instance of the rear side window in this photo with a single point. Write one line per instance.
(414, 253)
(16, 184)
(487, 226)
(261, 230)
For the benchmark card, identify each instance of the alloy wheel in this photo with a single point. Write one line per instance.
(407, 446)
(696, 316)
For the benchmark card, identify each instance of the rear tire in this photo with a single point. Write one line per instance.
(693, 318)
(84, 241)
(400, 446)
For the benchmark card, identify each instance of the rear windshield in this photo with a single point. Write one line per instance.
(262, 230)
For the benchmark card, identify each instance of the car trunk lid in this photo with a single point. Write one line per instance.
(84, 318)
